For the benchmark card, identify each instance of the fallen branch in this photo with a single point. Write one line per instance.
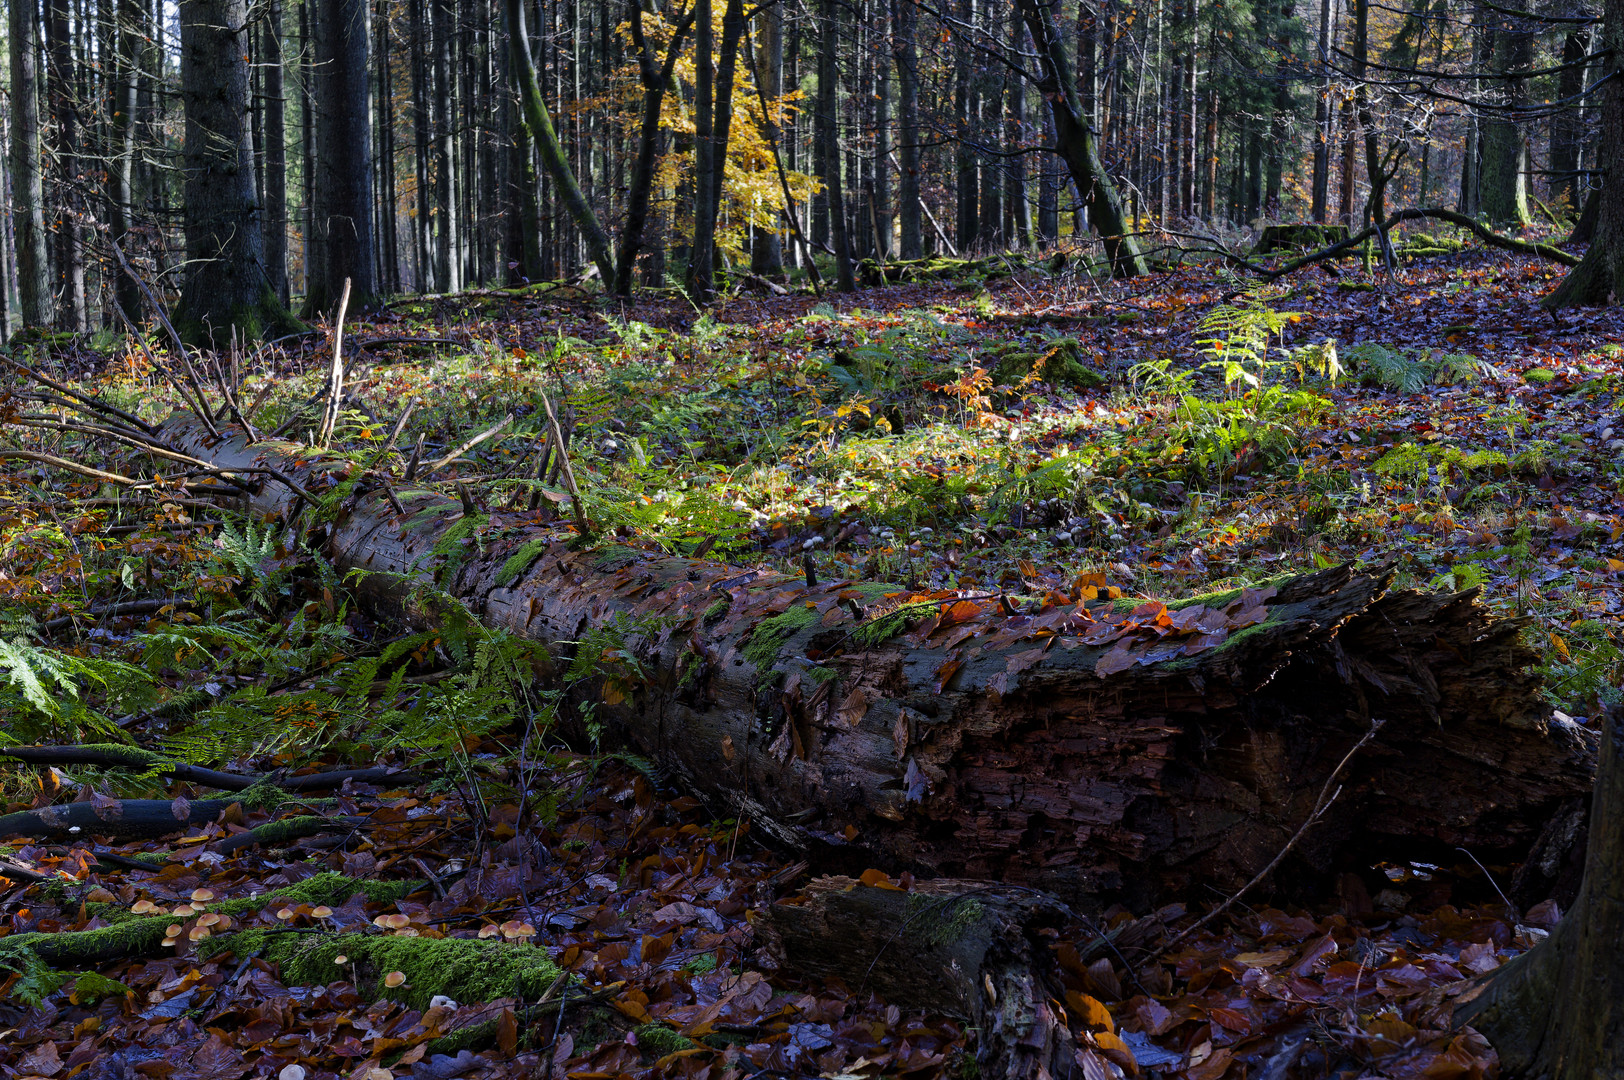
(114, 756)
(1488, 236)
(494, 429)
(119, 610)
(113, 817)
(335, 378)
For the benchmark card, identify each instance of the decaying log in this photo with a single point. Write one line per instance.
(961, 948)
(1084, 750)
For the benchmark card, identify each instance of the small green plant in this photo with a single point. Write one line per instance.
(1410, 371)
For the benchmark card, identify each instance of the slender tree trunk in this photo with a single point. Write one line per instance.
(1075, 141)
(1599, 278)
(906, 55)
(27, 177)
(655, 78)
(540, 125)
(964, 109)
(700, 251)
(225, 286)
(422, 112)
(1567, 125)
(447, 212)
(72, 314)
(1321, 184)
(1505, 135)
(882, 208)
(767, 248)
(829, 140)
(276, 154)
(344, 201)
(120, 194)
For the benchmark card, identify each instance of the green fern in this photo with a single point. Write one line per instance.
(44, 694)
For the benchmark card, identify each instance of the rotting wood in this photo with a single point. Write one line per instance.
(961, 948)
(1034, 749)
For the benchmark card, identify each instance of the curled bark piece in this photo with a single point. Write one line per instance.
(957, 947)
(954, 738)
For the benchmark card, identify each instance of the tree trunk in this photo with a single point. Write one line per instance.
(1076, 145)
(829, 140)
(27, 181)
(767, 247)
(655, 78)
(1599, 278)
(72, 315)
(225, 286)
(1568, 126)
(343, 161)
(540, 126)
(906, 54)
(1556, 1012)
(1065, 751)
(120, 193)
(276, 154)
(1504, 181)
(447, 212)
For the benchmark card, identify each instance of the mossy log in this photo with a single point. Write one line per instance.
(1298, 236)
(1063, 751)
(113, 817)
(961, 948)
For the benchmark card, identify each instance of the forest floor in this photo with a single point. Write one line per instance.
(1028, 432)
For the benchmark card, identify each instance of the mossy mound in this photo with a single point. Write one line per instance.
(1060, 363)
(468, 970)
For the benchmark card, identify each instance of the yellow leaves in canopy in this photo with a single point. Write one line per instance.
(752, 194)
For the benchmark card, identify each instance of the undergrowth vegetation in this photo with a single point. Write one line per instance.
(950, 437)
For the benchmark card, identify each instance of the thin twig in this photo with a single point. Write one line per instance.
(569, 472)
(1326, 797)
(335, 380)
(436, 466)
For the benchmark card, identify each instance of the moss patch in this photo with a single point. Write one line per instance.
(769, 636)
(938, 921)
(1059, 364)
(467, 970)
(1539, 376)
(659, 1041)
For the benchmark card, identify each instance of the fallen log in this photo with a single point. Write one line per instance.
(1101, 751)
(961, 948)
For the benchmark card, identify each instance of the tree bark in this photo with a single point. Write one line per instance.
(1076, 144)
(343, 161)
(276, 154)
(655, 77)
(1555, 1012)
(960, 948)
(1599, 278)
(1504, 176)
(906, 54)
(540, 125)
(27, 178)
(949, 739)
(72, 315)
(829, 140)
(767, 246)
(225, 285)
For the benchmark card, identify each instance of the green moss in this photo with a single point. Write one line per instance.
(468, 970)
(715, 611)
(615, 556)
(769, 636)
(520, 561)
(938, 921)
(659, 1040)
(877, 631)
(819, 675)
(1539, 376)
(1059, 364)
